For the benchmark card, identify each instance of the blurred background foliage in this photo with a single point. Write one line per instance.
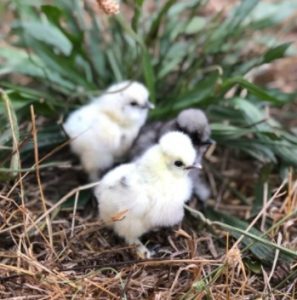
(58, 54)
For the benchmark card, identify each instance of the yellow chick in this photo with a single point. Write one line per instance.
(149, 192)
(194, 123)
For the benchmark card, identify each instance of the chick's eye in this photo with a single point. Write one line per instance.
(178, 163)
(133, 103)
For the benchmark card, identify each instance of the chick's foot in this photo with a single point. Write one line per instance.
(143, 252)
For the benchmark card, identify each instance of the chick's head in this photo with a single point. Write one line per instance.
(128, 101)
(178, 152)
(194, 123)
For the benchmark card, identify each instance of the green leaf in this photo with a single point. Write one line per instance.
(53, 13)
(196, 25)
(148, 73)
(172, 58)
(48, 138)
(253, 115)
(227, 131)
(96, 51)
(230, 26)
(169, 66)
(14, 131)
(84, 197)
(180, 6)
(154, 29)
(254, 266)
(285, 150)
(66, 67)
(19, 61)
(260, 188)
(114, 66)
(276, 52)
(252, 88)
(274, 12)
(27, 94)
(137, 14)
(49, 34)
(202, 91)
(261, 248)
(241, 12)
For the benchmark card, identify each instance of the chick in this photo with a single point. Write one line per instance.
(192, 122)
(103, 131)
(149, 192)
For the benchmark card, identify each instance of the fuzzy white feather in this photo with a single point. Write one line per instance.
(103, 130)
(151, 190)
(192, 122)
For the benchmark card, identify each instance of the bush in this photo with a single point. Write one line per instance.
(185, 57)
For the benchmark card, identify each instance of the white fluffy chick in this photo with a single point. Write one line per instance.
(149, 192)
(103, 131)
(192, 122)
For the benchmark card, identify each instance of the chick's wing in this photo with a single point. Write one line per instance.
(120, 190)
(148, 136)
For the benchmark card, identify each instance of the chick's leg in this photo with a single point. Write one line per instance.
(141, 250)
(131, 231)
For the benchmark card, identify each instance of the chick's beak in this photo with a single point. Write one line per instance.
(196, 166)
(149, 105)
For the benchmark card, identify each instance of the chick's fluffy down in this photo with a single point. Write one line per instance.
(149, 199)
(146, 207)
(87, 128)
(103, 130)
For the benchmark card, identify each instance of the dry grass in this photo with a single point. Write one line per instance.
(49, 251)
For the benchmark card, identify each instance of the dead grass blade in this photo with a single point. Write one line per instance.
(36, 156)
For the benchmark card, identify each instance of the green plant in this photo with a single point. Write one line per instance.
(185, 58)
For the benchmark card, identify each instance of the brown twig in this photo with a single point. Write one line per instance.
(145, 262)
(36, 157)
